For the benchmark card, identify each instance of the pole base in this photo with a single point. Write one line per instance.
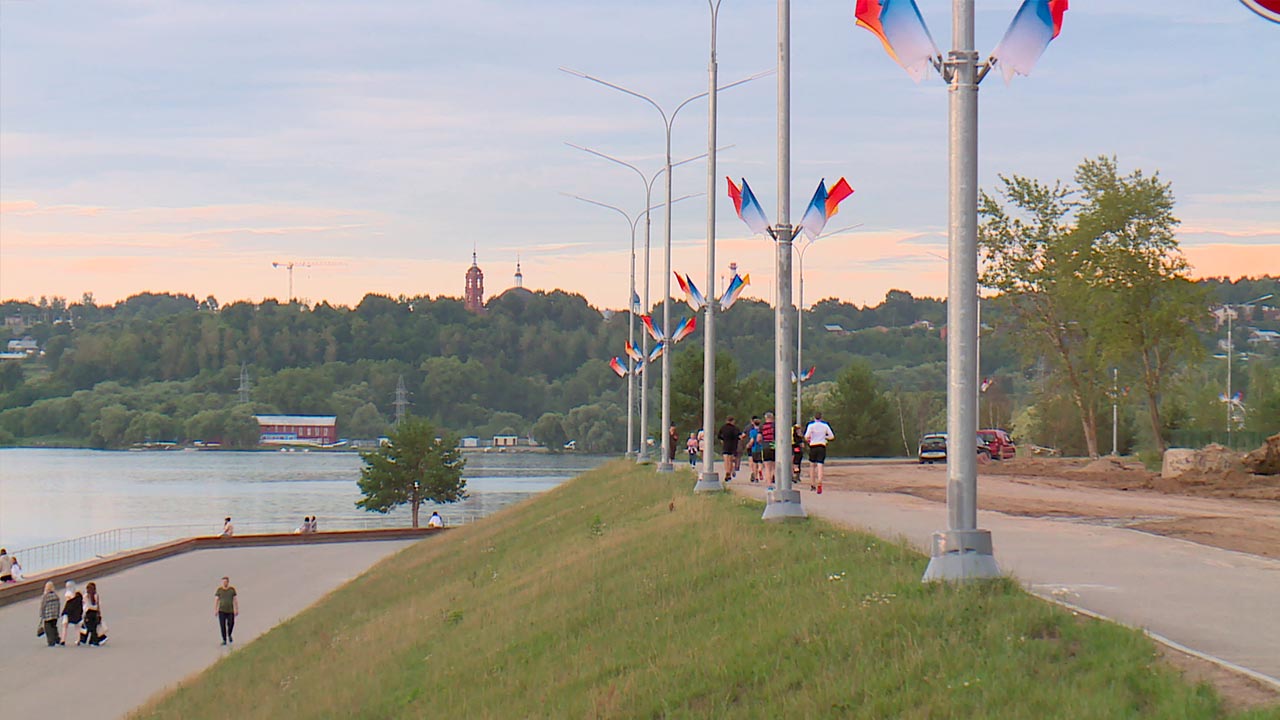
(709, 482)
(665, 467)
(783, 505)
(961, 556)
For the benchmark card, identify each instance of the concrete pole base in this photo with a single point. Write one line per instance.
(665, 467)
(961, 556)
(709, 482)
(783, 505)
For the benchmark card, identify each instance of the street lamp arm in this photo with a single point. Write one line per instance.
(610, 158)
(597, 203)
(619, 88)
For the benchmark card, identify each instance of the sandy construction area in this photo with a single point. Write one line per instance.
(1234, 511)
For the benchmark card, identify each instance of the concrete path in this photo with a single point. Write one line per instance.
(163, 627)
(1218, 602)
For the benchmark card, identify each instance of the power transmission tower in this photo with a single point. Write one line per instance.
(402, 400)
(245, 387)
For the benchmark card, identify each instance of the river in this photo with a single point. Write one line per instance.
(51, 495)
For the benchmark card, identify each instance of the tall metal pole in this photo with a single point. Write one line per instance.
(800, 336)
(643, 456)
(668, 451)
(709, 481)
(1115, 411)
(1230, 352)
(631, 338)
(785, 502)
(962, 552)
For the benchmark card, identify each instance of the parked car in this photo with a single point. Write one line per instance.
(999, 444)
(933, 448)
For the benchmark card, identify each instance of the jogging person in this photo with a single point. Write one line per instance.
(756, 449)
(226, 606)
(728, 436)
(768, 443)
(816, 436)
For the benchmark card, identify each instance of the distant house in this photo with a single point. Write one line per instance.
(297, 429)
(1260, 337)
(505, 440)
(26, 345)
(470, 442)
(834, 328)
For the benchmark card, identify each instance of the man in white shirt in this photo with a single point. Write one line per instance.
(435, 521)
(816, 436)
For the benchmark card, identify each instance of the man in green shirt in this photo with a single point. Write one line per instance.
(226, 607)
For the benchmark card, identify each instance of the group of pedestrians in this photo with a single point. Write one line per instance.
(73, 619)
(759, 443)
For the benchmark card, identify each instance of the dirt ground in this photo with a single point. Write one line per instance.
(1234, 511)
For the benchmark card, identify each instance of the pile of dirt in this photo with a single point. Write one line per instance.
(1266, 459)
(1034, 466)
(1233, 483)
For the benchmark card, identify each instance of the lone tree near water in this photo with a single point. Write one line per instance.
(416, 465)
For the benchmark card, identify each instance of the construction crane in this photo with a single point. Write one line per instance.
(291, 264)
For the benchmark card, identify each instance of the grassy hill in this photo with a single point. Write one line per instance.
(622, 595)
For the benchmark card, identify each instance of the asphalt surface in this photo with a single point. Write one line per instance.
(163, 627)
(1220, 603)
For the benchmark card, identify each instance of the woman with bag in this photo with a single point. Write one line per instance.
(72, 614)
(50, 609)
(95, 631)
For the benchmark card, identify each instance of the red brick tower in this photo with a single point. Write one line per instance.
(473, 300)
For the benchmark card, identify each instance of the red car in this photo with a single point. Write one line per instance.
(1001, 445)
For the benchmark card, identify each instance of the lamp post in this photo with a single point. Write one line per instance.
(800, 250)
(1230, 352)
(665, 465)
(708, 480)
(643, 455)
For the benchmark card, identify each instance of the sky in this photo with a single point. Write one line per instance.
(185, 147)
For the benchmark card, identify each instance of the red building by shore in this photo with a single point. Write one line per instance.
(297, 429)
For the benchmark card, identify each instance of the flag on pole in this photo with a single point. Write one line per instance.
(655, 332)
(902, 31)
(1037, 23)
(732, 292)
(656, 352)
(633, 353)
(635, 304)
(694, 298)
(808, 374)
(986, 383)
(824, 205)
(684, 328)
(616, 365)
(748, 208)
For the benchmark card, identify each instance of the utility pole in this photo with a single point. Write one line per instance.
(243, 390)
(402, 401)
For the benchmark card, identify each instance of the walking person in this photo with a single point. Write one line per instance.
(93, 616)
(768, 452)
(729, 435)
(797, 451)
(691, 445)
(50, 609)
(756, 448)
(817, 435)
(72, 615)
(6, 566)
(226, 606)
(673, 439)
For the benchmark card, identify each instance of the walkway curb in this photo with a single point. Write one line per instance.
(34, 586)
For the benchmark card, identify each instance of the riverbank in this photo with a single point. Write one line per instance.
(620, 594)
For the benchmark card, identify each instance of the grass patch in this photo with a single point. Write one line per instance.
(598, 599)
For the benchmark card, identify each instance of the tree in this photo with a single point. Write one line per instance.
(859, 414)
(415, 466)
(1148, 308)
(549, 431)
(1031, 255)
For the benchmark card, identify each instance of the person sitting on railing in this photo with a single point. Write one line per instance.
(6, 566)
(227, 528)
(435, 521)
(314, 524)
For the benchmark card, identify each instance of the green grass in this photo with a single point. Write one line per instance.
(597, 600)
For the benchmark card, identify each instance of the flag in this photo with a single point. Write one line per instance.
(691, 294)
(902, 31)
(635, 304)
(748, 208)
(656, 352)
(808, 374)
(732, 292)
(616, 365)
(986, 383)
(633, 353)
(684, 328)
(824, 205)
(1037, 22)
(655, 332)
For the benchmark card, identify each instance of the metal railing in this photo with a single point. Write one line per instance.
(51, 556)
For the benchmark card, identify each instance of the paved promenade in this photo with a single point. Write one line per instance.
(163, 627)
(1217, 602)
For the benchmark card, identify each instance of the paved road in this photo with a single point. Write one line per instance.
(1218, 602)
(162, 625)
